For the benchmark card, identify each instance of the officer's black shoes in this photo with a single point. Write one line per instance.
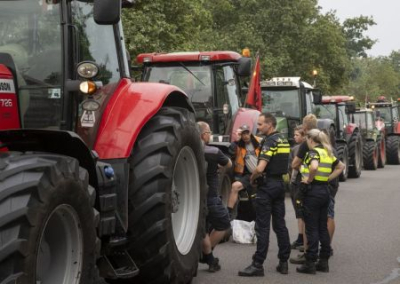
(214, 265)
(255, 269)
(322, 265)
(282, 267)
(296, 245)
(308, 267)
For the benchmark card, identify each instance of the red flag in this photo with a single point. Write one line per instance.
(254, 97)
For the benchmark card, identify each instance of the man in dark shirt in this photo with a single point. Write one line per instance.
(217, 217)
(270, 200)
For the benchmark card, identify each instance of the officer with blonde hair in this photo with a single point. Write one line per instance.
(316, 172)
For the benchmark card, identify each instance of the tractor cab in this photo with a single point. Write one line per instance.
(289, 99)
(212, 82)
(42, 43)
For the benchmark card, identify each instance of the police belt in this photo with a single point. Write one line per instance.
(272, 177)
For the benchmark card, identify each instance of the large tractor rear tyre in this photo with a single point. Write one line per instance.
(355, 155)
(370, 155)
(343, 155)
(47, 221)
(382, 153)
(393, 150)
(167, 194)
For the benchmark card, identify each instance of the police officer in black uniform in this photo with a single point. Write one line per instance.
(270, 200)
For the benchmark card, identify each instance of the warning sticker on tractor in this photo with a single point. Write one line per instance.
(88, 119)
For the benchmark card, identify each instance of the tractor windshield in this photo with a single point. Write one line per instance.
(282, 102)
(364, 120)
(30, 45)
(195, 81)
(385, 114)
(325, 111)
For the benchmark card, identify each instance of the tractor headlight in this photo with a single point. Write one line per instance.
(87, 70)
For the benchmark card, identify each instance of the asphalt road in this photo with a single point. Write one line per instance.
(366, 242)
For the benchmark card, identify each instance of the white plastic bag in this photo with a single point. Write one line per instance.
(243, 232)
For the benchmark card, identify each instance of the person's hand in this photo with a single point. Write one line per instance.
(305, 180)
(238, 134)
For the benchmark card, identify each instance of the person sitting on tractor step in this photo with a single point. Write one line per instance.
(218, 216)
(270, 201)
(244, 152)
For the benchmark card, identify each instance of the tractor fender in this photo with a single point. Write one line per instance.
(245, 116)
(130, 108)
(397, 127)
(53, 141)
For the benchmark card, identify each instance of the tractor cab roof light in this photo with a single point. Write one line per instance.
(205, 57)
(147, 59)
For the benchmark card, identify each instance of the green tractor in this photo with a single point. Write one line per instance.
(348, 140)
(291, 99)
(387, 115)
(374, 149)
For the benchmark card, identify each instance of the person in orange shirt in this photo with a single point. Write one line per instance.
(244, 154)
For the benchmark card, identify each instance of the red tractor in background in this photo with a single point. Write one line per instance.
(97, 173)
(387, 112)
(348, 137)
(212, 82)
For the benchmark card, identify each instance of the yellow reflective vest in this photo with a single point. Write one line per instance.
(324, 167)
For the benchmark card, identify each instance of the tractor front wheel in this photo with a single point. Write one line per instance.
(355, 155)
(167, 193)
(382, 153)
(343, 155)
(47, 220)
(370, 155)
(393, 150)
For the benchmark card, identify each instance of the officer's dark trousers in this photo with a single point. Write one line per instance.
(270, 201)
(316, 203)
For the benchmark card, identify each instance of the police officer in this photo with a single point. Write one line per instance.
(270, 200)
(317, 172)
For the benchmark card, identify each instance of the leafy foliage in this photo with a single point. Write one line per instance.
(292, 37)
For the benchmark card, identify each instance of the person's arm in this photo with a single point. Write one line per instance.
(298, 159)
(268, 149)
(313, 167)
(337, 171)
(262, 164)
(223, 160)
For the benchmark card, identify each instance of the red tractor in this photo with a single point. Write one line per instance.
(348, 137)
(387, 112)
(97, 173)
(212, 82)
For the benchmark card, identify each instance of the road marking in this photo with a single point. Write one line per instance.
(395, 274)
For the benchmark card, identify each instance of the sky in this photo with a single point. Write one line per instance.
(385, 14)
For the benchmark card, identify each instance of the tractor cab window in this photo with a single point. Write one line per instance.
(309, 103)
(95, 43)
(395, 114)
(325, 111)
(343, 120)
(282, 102)
(370, 121)
(385, 114)
(31, 39)
(194, 80)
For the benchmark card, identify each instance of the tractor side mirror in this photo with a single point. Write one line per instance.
(317, 97)
(244, 69)
(350, 107)
(107, 12)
